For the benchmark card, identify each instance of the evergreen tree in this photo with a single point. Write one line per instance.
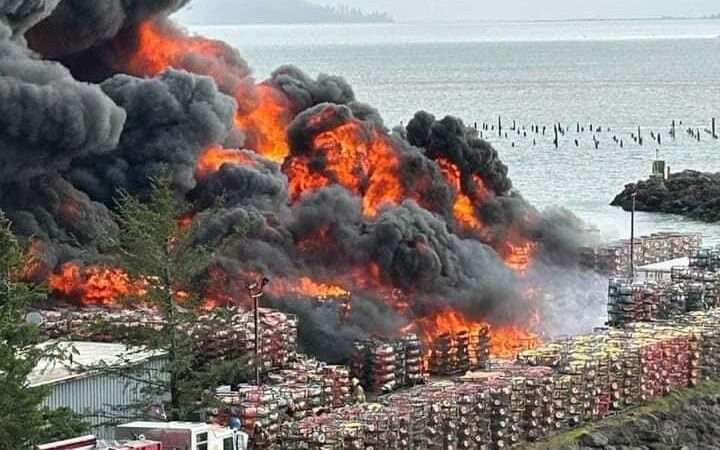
(23, 422)
(167, 254)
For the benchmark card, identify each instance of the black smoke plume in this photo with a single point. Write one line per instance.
(79, 118)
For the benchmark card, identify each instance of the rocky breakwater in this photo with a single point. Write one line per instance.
(689, 193)
(695, 426)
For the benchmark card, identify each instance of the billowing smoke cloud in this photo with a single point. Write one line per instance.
(411, 221)
(171, 119)
(84, 24)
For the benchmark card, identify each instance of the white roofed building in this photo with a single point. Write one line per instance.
(661, 271)
(97, 379)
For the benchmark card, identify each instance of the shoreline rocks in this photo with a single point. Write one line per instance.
(689, 193)
(695, 426)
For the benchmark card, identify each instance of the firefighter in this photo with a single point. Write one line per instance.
(358, 395)
(260, 438)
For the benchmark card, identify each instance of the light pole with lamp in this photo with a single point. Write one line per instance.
(256, 291)
(632, 238)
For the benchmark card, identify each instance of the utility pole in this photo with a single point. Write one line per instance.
(256, 291)
(632, 238)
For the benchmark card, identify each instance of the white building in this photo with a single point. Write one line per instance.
(97, 379)
(661, 271)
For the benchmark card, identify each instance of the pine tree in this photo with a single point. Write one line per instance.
(23, 422)
(154, 246)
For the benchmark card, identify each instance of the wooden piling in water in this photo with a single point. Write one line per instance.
(556, 142)
(499, 126)
(714, 132)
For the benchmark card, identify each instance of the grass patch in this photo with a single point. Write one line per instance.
(673, 400)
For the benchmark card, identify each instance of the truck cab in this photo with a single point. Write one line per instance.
(185, 435)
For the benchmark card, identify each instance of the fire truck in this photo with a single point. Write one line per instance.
(92, 443)
(185, 435)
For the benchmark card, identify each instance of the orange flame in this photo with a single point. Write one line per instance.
(362, 160)
(308, 288)
(158, 50)
(93, 285)
(519, 257)
(264, 113)
(463, 207)
(213, 159)
(505, 341)
(267, 123)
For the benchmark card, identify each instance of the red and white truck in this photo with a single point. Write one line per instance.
(185, 435)
(92, 443)
(160, 436)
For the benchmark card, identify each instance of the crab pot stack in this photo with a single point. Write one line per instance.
(660, 247)
(480, 348)
(313, 433)
(463, 351)
(443, 354)
(254, 404)
(684, 244)
(621, 303)
(444, 417)
(414, 414)
(705, 345)
(614, 258)
(384, 365)
(236, 337)
(695, 297)
(629, 303)
(506, 411)
(413, 360)
(374, 364)
(381, 428)
(474, 424)
(706, 259)
(218, 337)
(333, 381)
(400, 363)
(450, 354)
(575, 389)
(538, 396)
(78, 324)
(336, 386)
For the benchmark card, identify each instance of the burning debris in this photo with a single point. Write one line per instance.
(392, 227)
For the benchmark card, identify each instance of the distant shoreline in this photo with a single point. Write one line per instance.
(466, 22)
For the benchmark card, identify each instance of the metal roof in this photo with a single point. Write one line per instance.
(665, 266)
(197, 426)
(85, 359)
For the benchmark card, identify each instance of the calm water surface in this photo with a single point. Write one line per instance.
(618, 75)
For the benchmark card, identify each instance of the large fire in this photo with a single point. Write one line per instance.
(463, 207)
(307, 288)
(264, 112)
(357, 157)
(349, 152)
(93, 285)
(214, 157)
(267, 122)
(505, 341)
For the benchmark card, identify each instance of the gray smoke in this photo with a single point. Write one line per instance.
(171, 119)
(67, 145)
(83, 24)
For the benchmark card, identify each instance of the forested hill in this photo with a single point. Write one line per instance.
(229, 12)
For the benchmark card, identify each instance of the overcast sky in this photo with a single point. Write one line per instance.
(463, 10)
